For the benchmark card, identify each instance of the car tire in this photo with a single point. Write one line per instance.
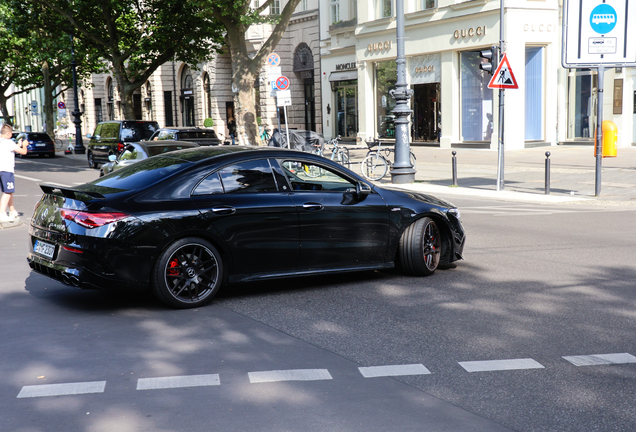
(187, 274)
(91, 160)
(420, 247)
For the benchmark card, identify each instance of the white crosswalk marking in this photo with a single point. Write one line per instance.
(178, 382)
(62, 389)
(500, 365)
(393, 370)
(600, 359)
(289, 375)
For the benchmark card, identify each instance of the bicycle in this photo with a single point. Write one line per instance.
(339, 154)
(376, 163)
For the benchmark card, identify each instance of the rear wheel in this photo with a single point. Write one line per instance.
(420, 247)
(188, 273)
(374, 166)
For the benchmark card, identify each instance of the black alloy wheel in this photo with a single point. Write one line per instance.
(420, 247)
(188, 273)
(91, 160)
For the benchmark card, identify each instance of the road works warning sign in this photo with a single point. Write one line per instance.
(503, 78)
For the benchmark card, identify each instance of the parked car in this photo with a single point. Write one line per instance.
(135, 152)
(39, 143)
(183, 223)
(109, 138)
(204, 137)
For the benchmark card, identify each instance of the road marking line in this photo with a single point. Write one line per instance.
(178, 382)
(289, 375)
(393, 370)
(62, 389)
(27, 178)
(601, 359)
(499, 365)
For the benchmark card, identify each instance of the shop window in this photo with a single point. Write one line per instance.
(385, 79)
(476, 99)
(582, 102)
(534, 93)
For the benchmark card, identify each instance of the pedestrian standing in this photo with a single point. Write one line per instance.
(231, 126)
(8, 149)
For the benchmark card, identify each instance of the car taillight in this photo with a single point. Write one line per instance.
(92, 220)
(120, 147)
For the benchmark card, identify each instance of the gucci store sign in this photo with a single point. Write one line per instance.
(426, 69)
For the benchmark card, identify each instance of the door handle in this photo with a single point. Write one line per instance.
(224, 210)
(313, 206)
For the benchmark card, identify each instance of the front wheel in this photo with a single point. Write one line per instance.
(91, 160)
(420, 247)
(188, 273)
(374, 167)
(343, 157)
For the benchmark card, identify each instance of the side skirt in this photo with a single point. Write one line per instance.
(290, 274)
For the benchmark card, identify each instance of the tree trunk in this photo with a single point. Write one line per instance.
(3, 106)
(125, 90)
(47, 106)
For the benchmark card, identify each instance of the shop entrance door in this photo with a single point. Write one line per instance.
(310, 104)
(582, 103)
(426, 112)
(347, 111)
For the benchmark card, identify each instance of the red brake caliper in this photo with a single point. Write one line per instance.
(172, 268)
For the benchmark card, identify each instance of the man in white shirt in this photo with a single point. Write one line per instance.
(8, 149)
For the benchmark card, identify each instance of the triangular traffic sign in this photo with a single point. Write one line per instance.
(503, 78)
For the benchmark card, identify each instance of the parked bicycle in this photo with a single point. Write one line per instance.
(339, 153)
(376, 164)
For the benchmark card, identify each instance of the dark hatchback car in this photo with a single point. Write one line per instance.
(110, 137)
(135, 152)
(183, 223)
(204, 137)
(40, 144)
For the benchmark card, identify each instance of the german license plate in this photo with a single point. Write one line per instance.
(40, 145)
(44, 248)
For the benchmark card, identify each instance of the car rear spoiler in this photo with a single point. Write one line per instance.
(71, 193)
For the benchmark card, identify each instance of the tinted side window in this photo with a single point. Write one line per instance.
(210, 185)
(137, 131)
(248, 177)
(167, 135)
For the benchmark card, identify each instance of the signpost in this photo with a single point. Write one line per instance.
(283, 99)
(599, 34)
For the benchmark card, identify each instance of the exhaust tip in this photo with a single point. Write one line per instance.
(66, 279)
(74, 281)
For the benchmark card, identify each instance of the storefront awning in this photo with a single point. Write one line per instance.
(343, 76)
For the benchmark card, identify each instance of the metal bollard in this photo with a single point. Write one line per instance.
(547, 173)
(454, 168)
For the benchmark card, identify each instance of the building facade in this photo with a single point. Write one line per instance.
(451, 103)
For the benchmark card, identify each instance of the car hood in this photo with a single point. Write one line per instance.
(419, 196)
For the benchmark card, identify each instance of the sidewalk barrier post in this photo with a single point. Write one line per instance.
(547, 173)
(454, 168)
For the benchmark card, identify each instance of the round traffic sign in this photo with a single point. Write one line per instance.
(603, 19)
(61, 105)
(273, 60)
(282, 83)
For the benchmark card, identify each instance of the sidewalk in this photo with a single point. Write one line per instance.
(572, 174)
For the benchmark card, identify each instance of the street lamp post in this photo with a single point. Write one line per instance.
(79, 145)
(402, 171)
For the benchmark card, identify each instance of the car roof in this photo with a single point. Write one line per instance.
(184, 129)
(164, 143)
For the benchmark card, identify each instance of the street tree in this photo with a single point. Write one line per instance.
(236, 16)
(136, 37)
(51, 49)
(17, 66)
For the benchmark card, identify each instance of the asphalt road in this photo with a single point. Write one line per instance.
(483, 344)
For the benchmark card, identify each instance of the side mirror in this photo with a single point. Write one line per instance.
(362, 189)
(89, 136)
(112, 158)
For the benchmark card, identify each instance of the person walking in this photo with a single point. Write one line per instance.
(8, 149)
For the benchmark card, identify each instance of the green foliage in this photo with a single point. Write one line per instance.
(208, 122)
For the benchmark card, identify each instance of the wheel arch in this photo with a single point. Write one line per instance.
(444, 227)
